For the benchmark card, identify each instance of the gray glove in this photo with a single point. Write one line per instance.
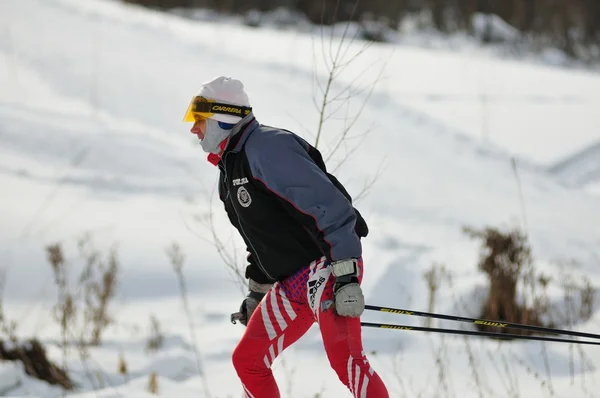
(349, 299)
(251, 302)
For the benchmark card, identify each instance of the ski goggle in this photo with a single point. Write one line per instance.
(207, 108)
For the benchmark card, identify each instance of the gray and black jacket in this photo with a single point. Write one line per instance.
(287, 208)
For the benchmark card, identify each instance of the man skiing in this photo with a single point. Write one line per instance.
(303, 239)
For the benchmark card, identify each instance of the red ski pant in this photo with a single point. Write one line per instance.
(285, 314)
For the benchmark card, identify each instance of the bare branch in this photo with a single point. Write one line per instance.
(369, 184)
(342, 140)
(227, 256)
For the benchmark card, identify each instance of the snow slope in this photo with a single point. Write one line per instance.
(581, 169)
(92, 94)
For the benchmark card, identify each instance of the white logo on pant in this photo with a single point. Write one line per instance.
(316, 285)
(313, 288)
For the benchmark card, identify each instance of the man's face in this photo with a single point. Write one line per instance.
(199, 127)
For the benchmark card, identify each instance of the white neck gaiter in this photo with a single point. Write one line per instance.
(215, 134)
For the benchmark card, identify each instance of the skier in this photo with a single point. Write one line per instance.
(302, 235)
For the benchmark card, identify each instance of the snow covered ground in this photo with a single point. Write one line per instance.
(91, 100)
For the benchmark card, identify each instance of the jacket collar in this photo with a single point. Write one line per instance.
(239, 135)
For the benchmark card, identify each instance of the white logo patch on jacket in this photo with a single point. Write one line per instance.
(244, 197)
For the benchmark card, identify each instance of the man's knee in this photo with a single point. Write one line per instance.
(240, 358)
(245, 359)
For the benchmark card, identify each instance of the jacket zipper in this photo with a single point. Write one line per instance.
(259, 263)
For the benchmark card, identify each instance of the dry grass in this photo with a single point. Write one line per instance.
(505, 257)
(153, 383)
(99, 281)
(84, 297)
(8, 328)
(32, 355)
(64, 309)
(84, 304)
(578, 297)
(177, 260)
(156, 339)
(434, 278)
(122, 367)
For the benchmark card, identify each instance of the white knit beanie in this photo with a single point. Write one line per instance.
(227, 91)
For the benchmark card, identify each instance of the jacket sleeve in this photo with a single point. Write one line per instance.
(281, 162)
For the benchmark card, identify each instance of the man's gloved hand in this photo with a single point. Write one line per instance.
(349, 299)
(251, 302)
(248, 306)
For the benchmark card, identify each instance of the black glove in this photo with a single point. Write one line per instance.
(251, 302)
(247, 308)
(349, 299)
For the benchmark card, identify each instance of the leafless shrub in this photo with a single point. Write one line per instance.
(506, 259)
(290, 371)
(509, 375)
(544, 383)
(474, 367)
(99, 281)
(81, 310)
(177, 259)
(226, 248)
(64, 309)
(30, 353)
(434, 277)
(399, 373)
(122, 368)
(333, 100)
(477, 373)
(442, 364)
(8, 328)
(156, 338)
(90, 298)
(153, 383)
(587, 295)
(578, 297)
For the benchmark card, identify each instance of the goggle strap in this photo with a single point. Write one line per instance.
(217, 107)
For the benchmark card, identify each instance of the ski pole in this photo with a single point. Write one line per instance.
(474, 333)
(500, 324)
